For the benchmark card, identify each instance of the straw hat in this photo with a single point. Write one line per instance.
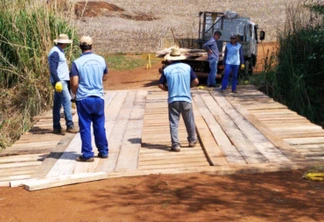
(175, 55)
(63, 38)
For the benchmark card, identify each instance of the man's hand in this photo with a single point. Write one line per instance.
(58, 87)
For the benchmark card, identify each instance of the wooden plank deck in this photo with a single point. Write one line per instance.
(244, 132)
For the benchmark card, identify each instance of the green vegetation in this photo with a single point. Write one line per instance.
(294, 76)
(123, 61)
(27, 34)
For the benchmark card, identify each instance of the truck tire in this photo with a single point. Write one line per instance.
(249, 67)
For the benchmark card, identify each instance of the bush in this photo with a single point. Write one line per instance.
(297, 78)
(27, 33)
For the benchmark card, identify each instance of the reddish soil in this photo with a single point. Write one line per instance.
(278, 196)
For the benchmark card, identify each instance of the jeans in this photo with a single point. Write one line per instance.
(228, 69)
(62, 99)
(92, 110)
(211, 80)
(185, 109)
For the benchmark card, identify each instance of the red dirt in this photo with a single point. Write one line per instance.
(279, 196)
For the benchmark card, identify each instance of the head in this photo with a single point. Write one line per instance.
(86, 43)
(233, 39)
(175, 55)
(63, 41)
(217, 35)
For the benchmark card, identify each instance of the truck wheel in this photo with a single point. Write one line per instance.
(248, 67)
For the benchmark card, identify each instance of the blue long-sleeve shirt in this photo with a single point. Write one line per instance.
(211, 44)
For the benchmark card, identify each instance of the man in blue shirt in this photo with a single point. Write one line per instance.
(87, 75)
(233, 58)
(213, 57)
(177, 78)
(59, 76)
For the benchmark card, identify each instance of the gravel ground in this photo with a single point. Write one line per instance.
(115, 33)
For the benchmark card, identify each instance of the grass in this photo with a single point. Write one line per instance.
(122, 61)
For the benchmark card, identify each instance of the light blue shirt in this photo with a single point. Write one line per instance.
(233, 54)
(90, 68)
(61, 72)
(178, 77)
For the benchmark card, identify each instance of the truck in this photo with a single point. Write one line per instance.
(228, 23)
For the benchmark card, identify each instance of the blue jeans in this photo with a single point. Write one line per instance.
(62, 99)
(185, 109)
(211, 80)
(228, 69)
(92, 110)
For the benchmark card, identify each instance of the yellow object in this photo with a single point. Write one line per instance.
(58, 87)
(246, 82)
(242, 66)
(314, 176)
(148, 64)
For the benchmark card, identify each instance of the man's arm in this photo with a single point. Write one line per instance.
(74, 79)
(193, 78)
(162, 82)
(53, 64)
(105, 75)
(163, 87)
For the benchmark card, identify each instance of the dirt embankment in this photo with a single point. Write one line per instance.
(141, 26)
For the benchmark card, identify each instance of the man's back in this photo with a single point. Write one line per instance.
(178, 78)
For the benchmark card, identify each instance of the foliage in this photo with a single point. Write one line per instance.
(297, 78)
(27, 33)
(121, 61)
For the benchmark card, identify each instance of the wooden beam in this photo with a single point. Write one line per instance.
(38, 184)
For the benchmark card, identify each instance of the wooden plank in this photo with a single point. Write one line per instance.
(249, 131)
(38, 184)
(124, 109)
(23, 158)
(51, 159)
(285, 148)
(247, 149)
(129, 152)
(66, 163)
(226, 148)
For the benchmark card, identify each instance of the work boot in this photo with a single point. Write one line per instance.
(59, 131)
(176, 148)
(193, 143)
(83, 159)
(71, 129)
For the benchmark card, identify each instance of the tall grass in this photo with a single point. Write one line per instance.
(27, 31)
(297, 78)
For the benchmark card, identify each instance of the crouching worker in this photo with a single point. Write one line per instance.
(177, 78)
(87, 75)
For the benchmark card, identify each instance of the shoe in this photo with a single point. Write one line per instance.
(175, 148)
(71, 129)
(234, 91)
(59, 131)
(102, 156)
(83, 159)
(193, 143)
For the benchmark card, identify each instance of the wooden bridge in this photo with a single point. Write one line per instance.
(246, 132)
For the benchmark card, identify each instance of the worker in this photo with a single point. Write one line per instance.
(233, 58)
(59, 77)
(87, 75)
(213, 57)
(177, 78)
